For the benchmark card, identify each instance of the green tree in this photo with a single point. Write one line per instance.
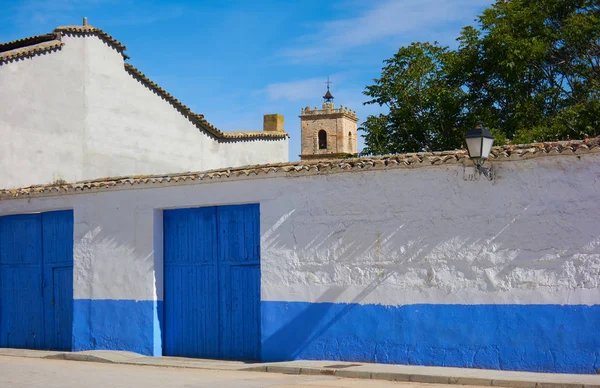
(423, 102)
(530, 70)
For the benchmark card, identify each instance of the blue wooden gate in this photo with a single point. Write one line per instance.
(36, 280)
(212, 282)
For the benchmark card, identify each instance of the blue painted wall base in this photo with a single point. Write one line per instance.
(117, 325)
(541, 338)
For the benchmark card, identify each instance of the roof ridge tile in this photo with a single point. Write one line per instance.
(30, 51)
(90, 30)
(524, 151)
(198, 119)
(27, 41)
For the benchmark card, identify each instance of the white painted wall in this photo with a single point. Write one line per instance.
(76, 114)
(42, 118)
(391, 237)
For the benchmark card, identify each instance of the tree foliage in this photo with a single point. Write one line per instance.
(530, 70)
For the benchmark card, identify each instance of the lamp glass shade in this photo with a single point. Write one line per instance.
(474, 147)
(479, 143)
(486, 147)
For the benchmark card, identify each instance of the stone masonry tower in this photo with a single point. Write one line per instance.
(328, 133)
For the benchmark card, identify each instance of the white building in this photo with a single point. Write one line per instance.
(73, 109)
(400, 259)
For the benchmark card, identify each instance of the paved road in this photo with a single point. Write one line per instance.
(17, 372)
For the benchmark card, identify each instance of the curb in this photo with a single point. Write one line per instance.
(337, 370)
(80, 357)
(416, 378)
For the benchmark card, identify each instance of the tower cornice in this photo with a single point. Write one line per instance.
(324, 116)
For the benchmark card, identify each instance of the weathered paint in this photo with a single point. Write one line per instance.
(36, 280)
(115, 325)
(537, 338)
(526, 244)
(212, 282)
(57, 262)
(78, 114)
(238, 256)
(21, 281)
(191, 288)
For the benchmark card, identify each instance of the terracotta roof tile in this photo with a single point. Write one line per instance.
(28, 41)
(30, 51)
(505, 153)
(89, 30)
(38, 44)
(196, 118)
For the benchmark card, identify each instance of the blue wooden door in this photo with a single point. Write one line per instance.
(32, 247)
(57, 242)
(59, 315)
(21, 308)
(190, 283)
(212, 282)
(239, 267)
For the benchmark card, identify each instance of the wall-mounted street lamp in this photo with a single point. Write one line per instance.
(479, 145)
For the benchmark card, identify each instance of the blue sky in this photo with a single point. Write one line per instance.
(237, 60)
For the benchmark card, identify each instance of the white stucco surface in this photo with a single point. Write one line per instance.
(42, 117)
(77, 114)
(389, 237)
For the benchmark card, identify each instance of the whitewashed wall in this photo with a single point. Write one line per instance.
(348, 259)
(76, 114)
(42, 117)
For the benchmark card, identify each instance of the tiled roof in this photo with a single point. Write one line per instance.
(37, 44)
(30, 51)
(411, 160)
(89, 30)
(29, 41)
(254, 134)
(196, 118)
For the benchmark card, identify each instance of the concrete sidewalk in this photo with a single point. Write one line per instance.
(420, 374)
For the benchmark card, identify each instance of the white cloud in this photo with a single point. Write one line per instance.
(390, 18)
(309, 89)
(305, 89)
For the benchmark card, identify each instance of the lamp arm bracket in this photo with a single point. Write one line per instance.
(485, 171)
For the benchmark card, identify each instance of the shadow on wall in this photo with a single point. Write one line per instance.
(307, 327)
(113, 307)
(298, 334)
(367, 325)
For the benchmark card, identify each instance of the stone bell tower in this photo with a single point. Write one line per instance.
(329, 132)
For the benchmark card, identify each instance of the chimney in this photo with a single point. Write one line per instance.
(273, 123)
(85, 21)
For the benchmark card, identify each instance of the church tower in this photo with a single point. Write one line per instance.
(329, 132)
